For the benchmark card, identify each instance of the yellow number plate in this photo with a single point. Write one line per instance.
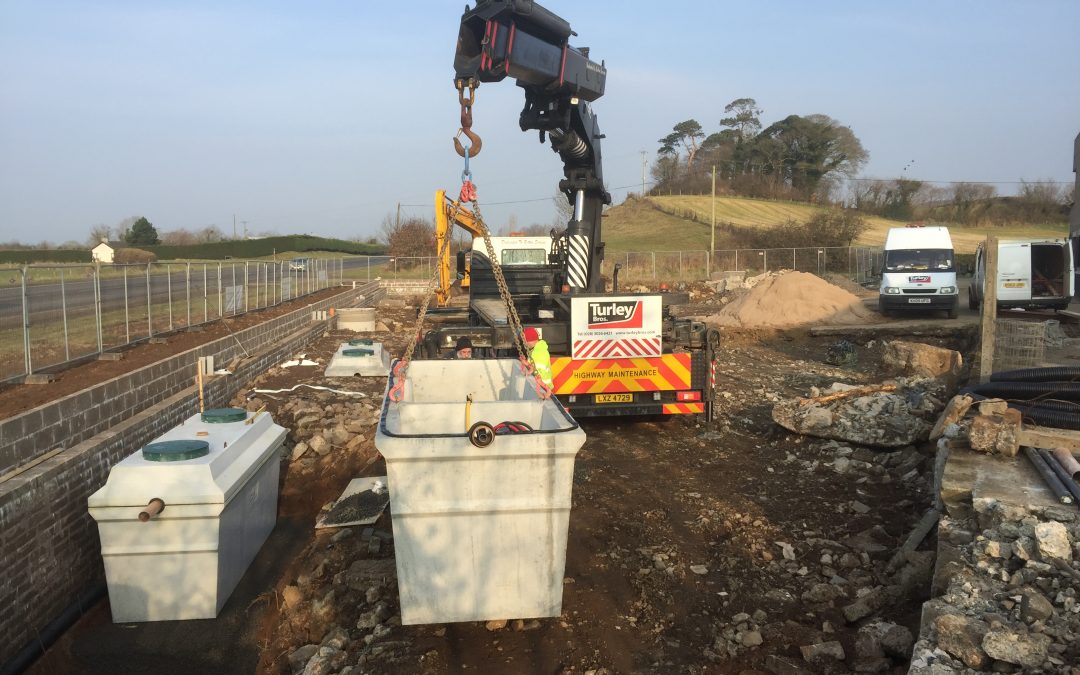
(1014, 284)
(614, 398)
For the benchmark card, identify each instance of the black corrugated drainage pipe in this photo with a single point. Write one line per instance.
(1060, 390)
(1052, 374)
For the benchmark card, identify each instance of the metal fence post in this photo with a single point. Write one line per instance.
(63, 311)
(27, 361)
(149, 298)
(187, 292)
(247, 281)
(127, 315)
(96, 280)
(793, 259)
(736, 260)
(168, 290)
(220, 295)
(654, 264)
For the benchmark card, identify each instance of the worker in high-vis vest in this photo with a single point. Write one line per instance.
(539, 355)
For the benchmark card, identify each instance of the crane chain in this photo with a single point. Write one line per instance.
(402, 367)
(500, 281)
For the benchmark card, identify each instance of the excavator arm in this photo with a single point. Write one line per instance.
(447, 214)
(522, 40)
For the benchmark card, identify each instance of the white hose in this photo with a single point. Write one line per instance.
(309, 386)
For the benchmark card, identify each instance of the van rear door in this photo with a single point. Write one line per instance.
(1014, 272)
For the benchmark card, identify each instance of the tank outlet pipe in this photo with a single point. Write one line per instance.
(1048, 476)
(1067, 462)
(1062, 474)
(154, 507)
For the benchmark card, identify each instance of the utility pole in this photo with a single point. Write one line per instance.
(244, 223)
(712, 236)
(234, 226)
(643, 162)
(397, 222)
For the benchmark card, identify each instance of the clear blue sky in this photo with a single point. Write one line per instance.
(320, 117)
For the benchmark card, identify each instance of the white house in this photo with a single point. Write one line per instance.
(103, 253)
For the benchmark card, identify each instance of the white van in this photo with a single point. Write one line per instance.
(1031, 274)
(918, 271)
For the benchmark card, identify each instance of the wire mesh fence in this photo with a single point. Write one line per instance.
(858, 263)
(53, 314)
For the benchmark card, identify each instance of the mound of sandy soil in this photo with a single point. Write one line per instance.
(788, 299)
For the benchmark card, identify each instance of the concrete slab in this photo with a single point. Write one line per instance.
(355, 486)
(39, 378)
(971, 477)
(376, 365)
(110, 356)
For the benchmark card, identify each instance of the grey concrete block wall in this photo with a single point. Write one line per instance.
(77, 417)
(49, 546)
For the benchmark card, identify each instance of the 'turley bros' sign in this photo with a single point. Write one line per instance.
(624, 326)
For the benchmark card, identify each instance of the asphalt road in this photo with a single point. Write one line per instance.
(45, 300)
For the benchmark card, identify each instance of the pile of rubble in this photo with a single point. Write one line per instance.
(892, 414)
(1010, 595)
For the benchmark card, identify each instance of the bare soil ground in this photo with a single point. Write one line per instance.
(765, 513)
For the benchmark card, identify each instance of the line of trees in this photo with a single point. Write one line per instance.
(798, 157)
(1041, 202)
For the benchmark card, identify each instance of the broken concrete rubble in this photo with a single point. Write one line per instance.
(1007, 580)
(884, 418)
(997, 433)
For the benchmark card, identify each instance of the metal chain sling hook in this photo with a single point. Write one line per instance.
(466, 102)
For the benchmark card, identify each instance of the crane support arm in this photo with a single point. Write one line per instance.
(522, 40)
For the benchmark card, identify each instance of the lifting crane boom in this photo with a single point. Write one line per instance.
(522, 40)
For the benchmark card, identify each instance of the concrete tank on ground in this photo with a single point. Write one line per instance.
(479, 532)
(215, 482)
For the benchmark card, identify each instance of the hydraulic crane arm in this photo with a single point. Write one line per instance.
(522, 40)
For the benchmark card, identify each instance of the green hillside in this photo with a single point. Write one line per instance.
(681, 223)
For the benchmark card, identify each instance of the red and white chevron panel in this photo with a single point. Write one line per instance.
(623, 348)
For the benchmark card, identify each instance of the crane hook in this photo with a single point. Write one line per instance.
(474, 149)
(466, 120)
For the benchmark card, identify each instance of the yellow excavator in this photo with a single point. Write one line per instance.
(447, 214)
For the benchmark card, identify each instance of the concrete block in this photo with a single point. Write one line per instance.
(376, 365)
(998, 433)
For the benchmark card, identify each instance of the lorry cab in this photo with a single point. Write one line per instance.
(918, 271)
(1031, 275)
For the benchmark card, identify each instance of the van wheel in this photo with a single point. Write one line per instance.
(882, 309)
(953, 312)
(973, 302)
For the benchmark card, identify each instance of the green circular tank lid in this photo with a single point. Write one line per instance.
(358, 352)
(175, 451)
(361, 342)
(223, 415)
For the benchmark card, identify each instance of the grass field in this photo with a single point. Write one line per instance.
(655, 223)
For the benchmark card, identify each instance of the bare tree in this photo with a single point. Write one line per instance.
(564, 209)
(412, 237)
(179, 237)
(98, 234)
